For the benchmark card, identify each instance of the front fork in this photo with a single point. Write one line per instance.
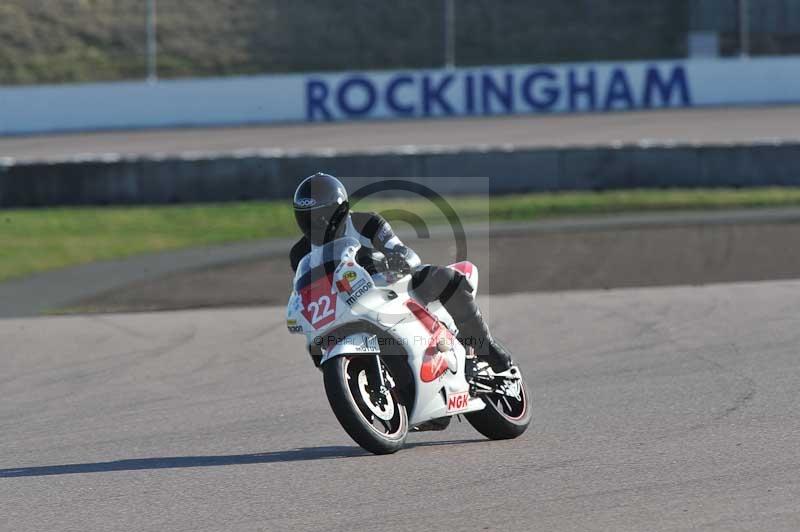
(379, 372)
(379, 392)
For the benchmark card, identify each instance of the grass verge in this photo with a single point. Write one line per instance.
(34, 240)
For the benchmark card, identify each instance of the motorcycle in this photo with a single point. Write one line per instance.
(391, 364)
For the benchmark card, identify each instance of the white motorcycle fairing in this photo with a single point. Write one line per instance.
(354, 344)
(343, 310)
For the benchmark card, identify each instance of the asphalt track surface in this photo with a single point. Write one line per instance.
(654, 409)
(693, 126)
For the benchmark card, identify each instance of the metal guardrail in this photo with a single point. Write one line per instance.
(270, 175)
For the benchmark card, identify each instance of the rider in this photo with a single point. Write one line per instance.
(322, 211)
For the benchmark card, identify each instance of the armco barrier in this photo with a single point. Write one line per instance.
(274, 175)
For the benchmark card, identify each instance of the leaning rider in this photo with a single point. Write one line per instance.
(322, 211)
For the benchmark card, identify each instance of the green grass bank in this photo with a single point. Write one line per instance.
(34, 240)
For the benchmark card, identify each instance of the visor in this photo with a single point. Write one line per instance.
(320, 224)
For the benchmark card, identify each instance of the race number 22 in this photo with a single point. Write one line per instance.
(320, 309)
(319, 303)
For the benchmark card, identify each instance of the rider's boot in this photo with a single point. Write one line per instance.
(474, 332)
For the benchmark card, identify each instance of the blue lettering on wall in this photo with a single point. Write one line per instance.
(469, 94)
(491, 91)
(392, 103)
(316, 94)
(619, 91)
(345, 92)
(676, 83)
(503, 94)
(550, 92)
(587, 89)
(432, 94)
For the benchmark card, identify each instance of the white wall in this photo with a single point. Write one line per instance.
(524, 89)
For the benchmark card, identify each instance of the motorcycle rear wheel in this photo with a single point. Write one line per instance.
(504, 417)
(378, 423)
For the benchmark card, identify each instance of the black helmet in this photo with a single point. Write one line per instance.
(320, 207)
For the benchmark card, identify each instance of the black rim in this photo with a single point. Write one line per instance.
(357, 370)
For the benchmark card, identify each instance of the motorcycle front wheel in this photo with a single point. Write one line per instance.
(375, 420)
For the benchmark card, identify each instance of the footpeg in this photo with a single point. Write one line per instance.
(483, 379)
(511, 373)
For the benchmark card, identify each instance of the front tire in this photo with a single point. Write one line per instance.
(377, 422)
(504, 417)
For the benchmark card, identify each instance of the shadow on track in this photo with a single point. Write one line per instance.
(137, 464)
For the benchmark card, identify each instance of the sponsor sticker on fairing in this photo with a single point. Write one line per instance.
(369, 344)
(343, 286)
(360, 288)
(457, 402)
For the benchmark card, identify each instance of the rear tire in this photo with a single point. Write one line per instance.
(503, 418)
(348, 381)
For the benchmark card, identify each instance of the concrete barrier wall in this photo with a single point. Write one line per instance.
(406, 94)
(272, 176)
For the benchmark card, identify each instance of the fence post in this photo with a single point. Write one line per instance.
(449, 33)
(152, 42)
(744, 28)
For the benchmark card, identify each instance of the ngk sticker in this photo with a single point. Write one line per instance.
(457, 402)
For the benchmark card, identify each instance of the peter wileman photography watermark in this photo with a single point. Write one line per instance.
(329, 340)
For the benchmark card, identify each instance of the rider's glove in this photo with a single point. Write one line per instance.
(397, 259)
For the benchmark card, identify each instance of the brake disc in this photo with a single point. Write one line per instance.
(384, 411)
